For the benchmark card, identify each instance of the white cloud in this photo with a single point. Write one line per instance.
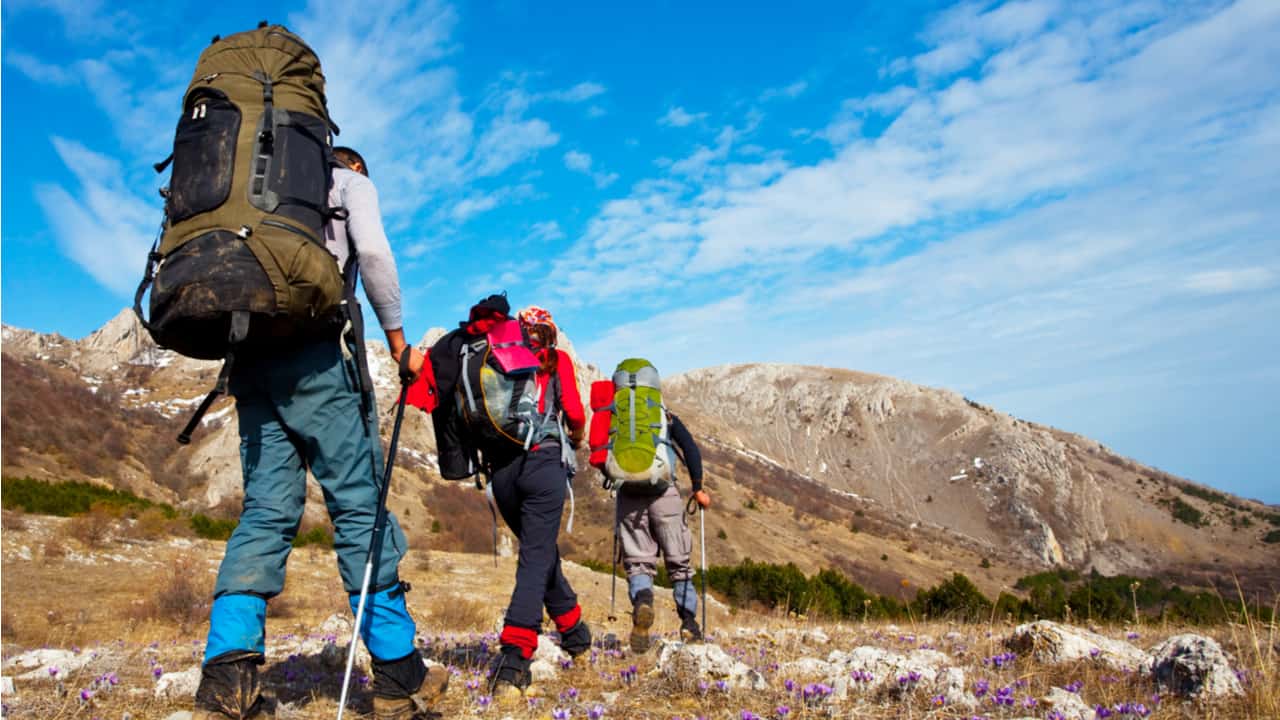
(581, 162)
(468, 207)
(508, 141)
(103, 226)
(581, 92)
(1224, 282)
(788, 92)
(546, 231)
(577, 161)
(41, 71)
(679, 117)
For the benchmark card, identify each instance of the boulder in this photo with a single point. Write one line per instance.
(1068, 704)
(1192, 665)
(885, 667)
(1051, 642)
(684, 662)
(178, 685)
(36, 664)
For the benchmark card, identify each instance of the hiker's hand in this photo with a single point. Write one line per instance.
(702, 498)
(575, 437)
(416, 359)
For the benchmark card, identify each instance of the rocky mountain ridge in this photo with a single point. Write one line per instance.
(821, 464)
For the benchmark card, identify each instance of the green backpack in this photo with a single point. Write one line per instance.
(241, 258)
(639, 449)
(241, 261)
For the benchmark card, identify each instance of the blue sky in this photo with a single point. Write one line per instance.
(1066, 210)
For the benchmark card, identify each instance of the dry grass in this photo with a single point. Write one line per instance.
(94, 527)
(462, 595)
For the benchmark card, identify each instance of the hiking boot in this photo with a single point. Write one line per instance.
(689, 629)
(641, 621)
(510, 677)
(576, 640)
(417, 705)
(229, 687)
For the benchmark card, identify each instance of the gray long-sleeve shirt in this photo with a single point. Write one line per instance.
(363, 226)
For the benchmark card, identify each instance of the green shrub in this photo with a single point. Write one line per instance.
(315, 536)
(212, 528)
(956, 598)
(65, 499)
(1182, 512)
(1272, 537)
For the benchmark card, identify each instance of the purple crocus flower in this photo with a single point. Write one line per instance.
(1074, 686)
(86, 695)
(596, 712)
(748, 715)
(53, 671)
(789, 684)
(157, 671)
(1095, 652)
(981, 687)
(560, 714)
(484, 700)
(782, 711)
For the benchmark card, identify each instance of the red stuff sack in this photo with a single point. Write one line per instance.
(601, 419)
(423, 393)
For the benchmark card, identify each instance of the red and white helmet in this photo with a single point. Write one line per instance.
(534, 315)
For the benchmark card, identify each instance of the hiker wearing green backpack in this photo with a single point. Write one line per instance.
(635, 441)
(263, 237)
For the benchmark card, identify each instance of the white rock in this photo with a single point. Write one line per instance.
(1052, 642)
(178, 685)
(1193, 665)
(543, 671)
(885, 667)
(952, 686)
(807, 667)
(180, 715)
(815, 637)
(682, 661)
(548, 651)
(6, 685)
(1068, 704)
(36, 663)
(337, 625)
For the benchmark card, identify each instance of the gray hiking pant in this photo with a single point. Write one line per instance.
(648, 524)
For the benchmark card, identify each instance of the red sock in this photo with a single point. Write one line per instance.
(523, 638)
(565, 622)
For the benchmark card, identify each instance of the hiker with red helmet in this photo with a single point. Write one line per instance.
(503, 397)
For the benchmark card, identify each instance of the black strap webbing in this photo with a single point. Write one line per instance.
(160, 166)
(239, 331)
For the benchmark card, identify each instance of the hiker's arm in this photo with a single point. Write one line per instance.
(570, 399)
(377, 264)
(689, 449)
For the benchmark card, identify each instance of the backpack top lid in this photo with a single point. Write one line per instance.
(643, 372)
(510, 348)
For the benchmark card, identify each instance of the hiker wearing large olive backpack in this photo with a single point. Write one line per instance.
(635, 441)
(255, 267)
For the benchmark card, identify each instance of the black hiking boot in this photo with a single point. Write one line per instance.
(576, 640)
(641, 621)
(229, 687)
(406, 689)
(689, 629)
(510, 678)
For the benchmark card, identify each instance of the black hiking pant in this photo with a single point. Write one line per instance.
(530, 492)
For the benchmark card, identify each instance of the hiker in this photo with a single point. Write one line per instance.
(505, 394)
(635, 442)
(302, 409)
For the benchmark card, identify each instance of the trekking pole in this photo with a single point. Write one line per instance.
(379, 526)
(702, 537)
(613, 574)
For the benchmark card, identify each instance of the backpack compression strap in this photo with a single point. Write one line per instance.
(239, 330)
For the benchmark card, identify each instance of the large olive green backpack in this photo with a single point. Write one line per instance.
(241, 260)
(639, 448)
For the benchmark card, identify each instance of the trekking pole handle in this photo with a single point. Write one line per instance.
(406, 374)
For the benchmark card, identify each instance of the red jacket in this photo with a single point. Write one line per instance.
(570, 400)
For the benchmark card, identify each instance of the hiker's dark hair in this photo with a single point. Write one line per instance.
(349, 157)
(545, 337)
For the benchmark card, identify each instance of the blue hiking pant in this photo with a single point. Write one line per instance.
(300, 410)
